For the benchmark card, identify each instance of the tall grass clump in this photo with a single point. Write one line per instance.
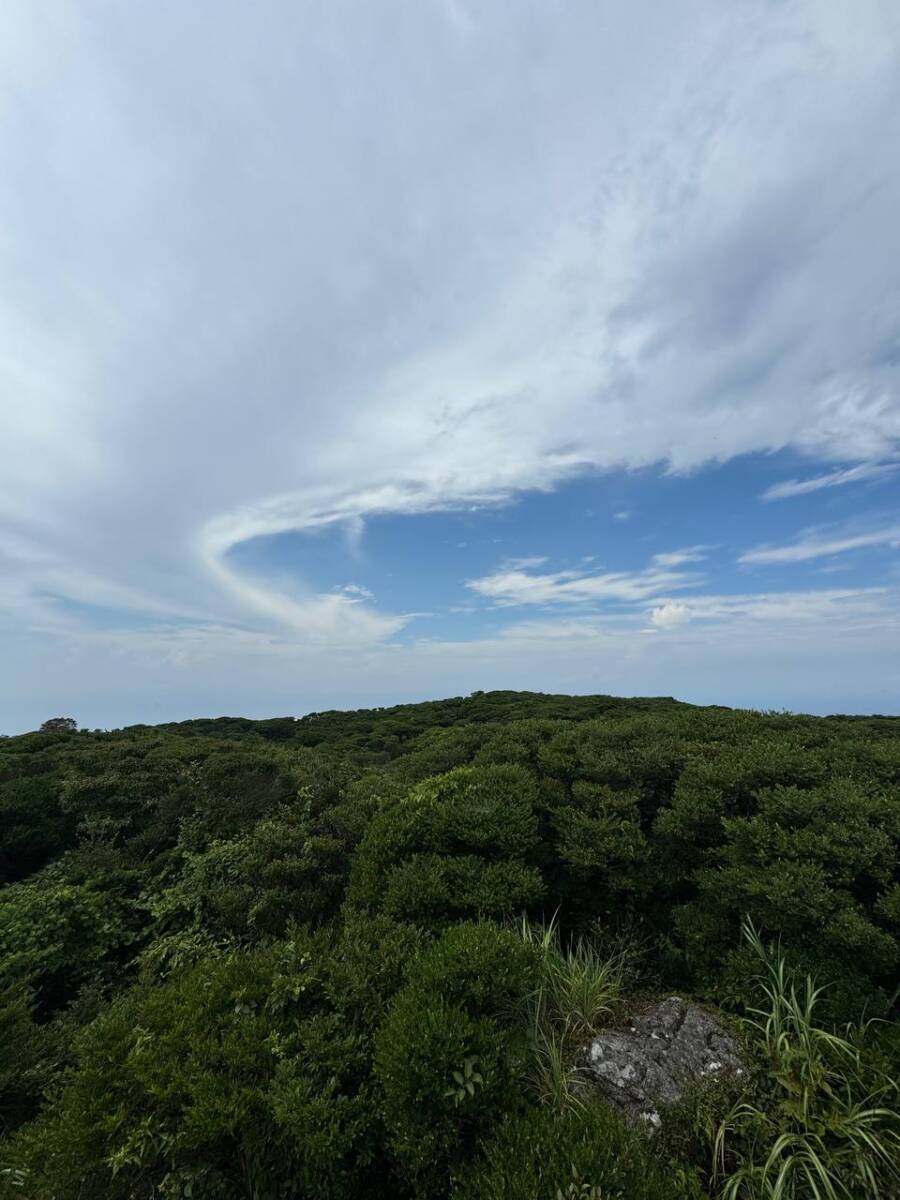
(577, 992)
(829, 1130)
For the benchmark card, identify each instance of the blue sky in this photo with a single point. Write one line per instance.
(357, 354)
(473, 570)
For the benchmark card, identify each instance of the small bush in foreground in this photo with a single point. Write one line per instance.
(540, 1155)
(832, 1131)
(459, 1017)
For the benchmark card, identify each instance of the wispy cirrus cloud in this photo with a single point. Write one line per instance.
(322, 295)
(818, 544)
(838, 606)
(677, 558)
(512, 586)
(767, 631)
(862, 473)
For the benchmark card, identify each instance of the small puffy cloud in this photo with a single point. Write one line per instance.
(669, 615)
(356, 591)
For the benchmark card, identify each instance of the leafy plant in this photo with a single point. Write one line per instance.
(832, 1130)
(578, 1188)
(462, 1003)
(12, 1177)
(465, 1082)
(585, 988)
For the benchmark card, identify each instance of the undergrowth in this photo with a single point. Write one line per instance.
(578, 991)
(830, 1129)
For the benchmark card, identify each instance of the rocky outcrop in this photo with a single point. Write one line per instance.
(648, 1065)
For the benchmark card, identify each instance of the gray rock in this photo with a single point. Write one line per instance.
(649, 1065)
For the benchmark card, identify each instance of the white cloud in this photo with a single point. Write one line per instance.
(865, 472)
(834, 605)
(510, 586)
(819, 545)
(513, 584)
(669, 615)
(297, 287)
(817, 652)
(677, 558)
(356, 591)
(730, 615)
(522, 564)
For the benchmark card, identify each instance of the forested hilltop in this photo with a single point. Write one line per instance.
(359, 954)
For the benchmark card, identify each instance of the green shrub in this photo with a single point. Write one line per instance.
(237, 788)
(253, 885)
(21, 1046)
(457, 846)
(433, 890)
(461, 1013)
(808, 865)
(478, 965)
(173, 1078)
(579, 1155)
(831, 1129)
(58, 933)
(33, 827)
(601, 847)
(242, 1072)
(325, 1110)
(366, 961)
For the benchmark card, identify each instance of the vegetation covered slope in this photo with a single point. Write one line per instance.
(285, 958)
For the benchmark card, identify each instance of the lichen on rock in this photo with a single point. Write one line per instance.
(648, 1066)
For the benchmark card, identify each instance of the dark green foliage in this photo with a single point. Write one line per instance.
(237, 1064)
(162, 1083)
(281, 870)
(58, 933)
(457, 846)
(239, 788)
(33, 827)
(811, 865)
(600, 845)
(384, 732)
(433, 889)
(20, 1054)
(452, 1053)
(284, 958)
(59, 725)
(581, 1155)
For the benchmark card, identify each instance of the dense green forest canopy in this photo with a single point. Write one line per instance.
(285, 958)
